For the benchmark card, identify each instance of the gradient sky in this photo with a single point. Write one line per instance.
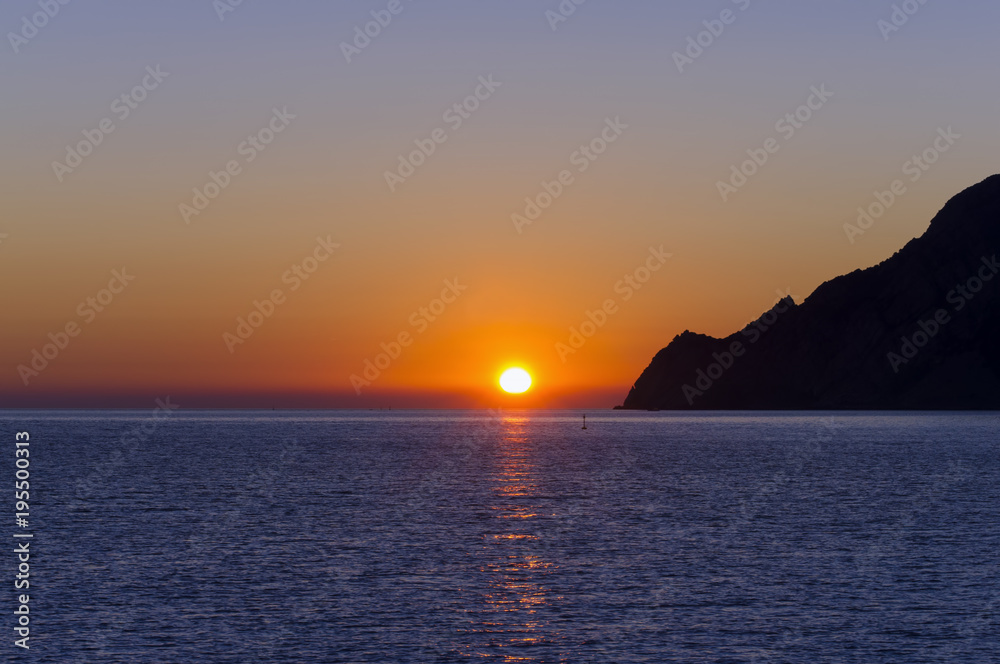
(324, 177)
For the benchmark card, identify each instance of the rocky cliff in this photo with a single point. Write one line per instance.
(918, 331)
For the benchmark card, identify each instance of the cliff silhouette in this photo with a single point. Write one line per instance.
(919, 331)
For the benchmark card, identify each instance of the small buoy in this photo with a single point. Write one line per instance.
(584, 421)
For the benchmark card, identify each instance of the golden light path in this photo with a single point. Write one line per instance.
(515, 381)
(515, 566)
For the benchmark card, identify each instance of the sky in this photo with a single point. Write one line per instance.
(268, 207)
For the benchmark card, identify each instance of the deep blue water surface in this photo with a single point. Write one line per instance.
(462, 536)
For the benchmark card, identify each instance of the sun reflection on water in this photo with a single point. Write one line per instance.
(514, 567)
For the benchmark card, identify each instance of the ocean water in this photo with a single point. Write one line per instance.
(362, 536)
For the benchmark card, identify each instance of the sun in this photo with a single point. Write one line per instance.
(515, 381)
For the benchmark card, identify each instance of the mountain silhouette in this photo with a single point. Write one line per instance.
(919, 331)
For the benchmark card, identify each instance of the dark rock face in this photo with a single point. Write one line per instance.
(921, 330)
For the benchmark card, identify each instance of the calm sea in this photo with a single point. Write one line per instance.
(513, 537)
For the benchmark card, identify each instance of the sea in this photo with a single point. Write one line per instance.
(505, 536)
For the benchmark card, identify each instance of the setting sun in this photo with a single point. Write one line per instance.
(515, 381)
